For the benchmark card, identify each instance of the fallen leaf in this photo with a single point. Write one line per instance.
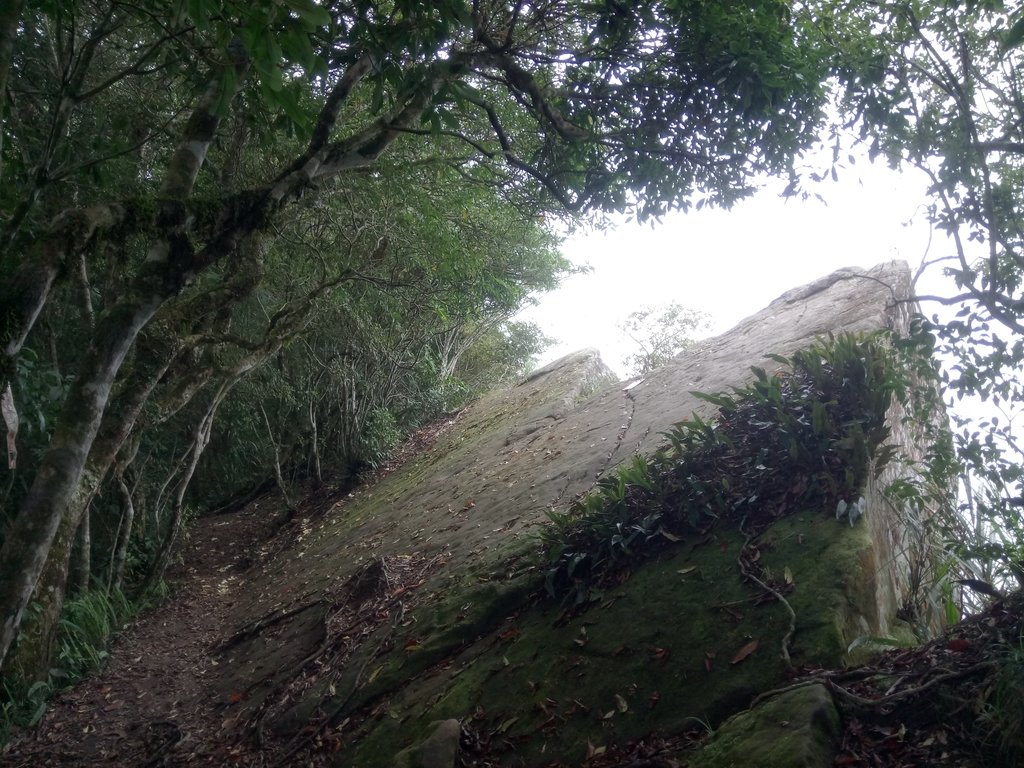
(234, 698)
(659, 654)
(507, 724)
(787, 575)
(621, 703)
(669, 536)
(743, 652)
(686, 570)
(653, 699)
(593, 751)
(958, 645)
(709, 659)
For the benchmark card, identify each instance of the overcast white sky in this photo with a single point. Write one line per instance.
(730, 264)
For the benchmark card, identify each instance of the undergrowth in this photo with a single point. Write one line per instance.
(1002, 713)
(803, 436)
(87, 625)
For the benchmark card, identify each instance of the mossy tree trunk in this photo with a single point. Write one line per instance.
(167, 270)
(172, 263)
(83, 564)
(124, 535)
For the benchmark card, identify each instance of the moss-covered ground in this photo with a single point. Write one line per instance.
(660, 651)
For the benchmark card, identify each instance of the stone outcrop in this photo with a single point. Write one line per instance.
(445, 540)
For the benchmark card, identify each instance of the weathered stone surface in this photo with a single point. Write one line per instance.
(796, 729)
(438, 750)
(656, 653)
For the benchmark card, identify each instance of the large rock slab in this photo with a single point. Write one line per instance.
(796, 729)
(659, 652)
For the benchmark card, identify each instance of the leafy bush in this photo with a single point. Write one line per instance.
(804, 436)
(86, 627)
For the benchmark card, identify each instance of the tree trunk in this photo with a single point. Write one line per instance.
(83, 568)
(153, 358)
(27, 543)
(31, 658)
(124, 535)
(278, 474)
(199, 443)
(10, 14)
(317, 469)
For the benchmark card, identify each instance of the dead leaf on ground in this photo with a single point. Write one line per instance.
(743, 652)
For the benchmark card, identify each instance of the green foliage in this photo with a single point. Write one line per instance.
(660, 335)
(87, 625)
(803, 437)
(378, 437)
(939, 87)
(1001, 718)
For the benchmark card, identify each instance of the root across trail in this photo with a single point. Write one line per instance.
(152, 705)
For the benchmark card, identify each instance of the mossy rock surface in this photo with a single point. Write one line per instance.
(657, 652)
(796, 729)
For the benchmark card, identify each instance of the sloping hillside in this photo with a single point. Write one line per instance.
(408, 619)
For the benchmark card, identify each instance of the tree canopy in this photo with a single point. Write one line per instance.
(940, 89)
(190, 188)
(293, 230)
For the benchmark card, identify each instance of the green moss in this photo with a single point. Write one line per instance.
(832, 570)
(551, 685)
(797, 729)
(659, 648)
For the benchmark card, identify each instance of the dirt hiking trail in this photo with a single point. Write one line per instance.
(151, 705)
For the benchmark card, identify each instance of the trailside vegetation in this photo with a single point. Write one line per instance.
(807, 435)
(189, 187)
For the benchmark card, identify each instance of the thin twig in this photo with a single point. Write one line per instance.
(792, 614)
(305, 736)
(908, 692)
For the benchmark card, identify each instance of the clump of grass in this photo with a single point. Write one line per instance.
(88, 623)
